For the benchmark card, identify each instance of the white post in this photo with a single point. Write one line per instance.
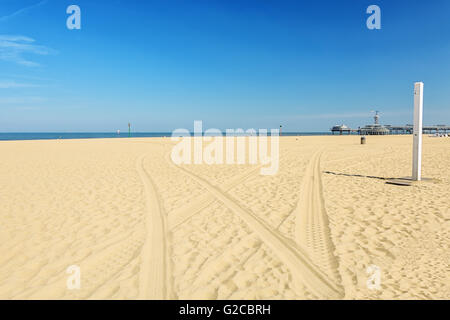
(417, 144)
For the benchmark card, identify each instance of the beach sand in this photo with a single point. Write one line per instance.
(140, 227)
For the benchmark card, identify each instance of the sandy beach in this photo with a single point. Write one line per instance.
(141, 227)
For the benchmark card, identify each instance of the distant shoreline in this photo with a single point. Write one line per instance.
(21, 136)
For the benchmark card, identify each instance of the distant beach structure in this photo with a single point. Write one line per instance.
(374, 129)
(341, 129)
(378, 129)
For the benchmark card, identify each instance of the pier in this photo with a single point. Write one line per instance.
(407, 129)
(378, 129)
(341, 129)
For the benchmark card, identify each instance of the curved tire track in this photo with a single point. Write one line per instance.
(311, 221)
(179, 216)
(154, 277)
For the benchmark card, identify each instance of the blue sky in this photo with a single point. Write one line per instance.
(253, 64)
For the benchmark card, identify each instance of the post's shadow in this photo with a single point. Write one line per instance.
(357, 175)
(403, 181)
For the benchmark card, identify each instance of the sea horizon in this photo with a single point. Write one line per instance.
(19, 136)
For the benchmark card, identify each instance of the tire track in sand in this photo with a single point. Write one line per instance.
(181, 215)
(302, 269)
(154, 274)
(311, 221)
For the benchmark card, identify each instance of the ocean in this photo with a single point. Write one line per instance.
(5, 136)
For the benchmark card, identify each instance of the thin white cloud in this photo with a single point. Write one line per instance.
(13, 38)
(332, 115)
(342, 116)
(23, 77)
(14, 85)
(13, 48)
(21, 100)
(23, 10)
(28, 108)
